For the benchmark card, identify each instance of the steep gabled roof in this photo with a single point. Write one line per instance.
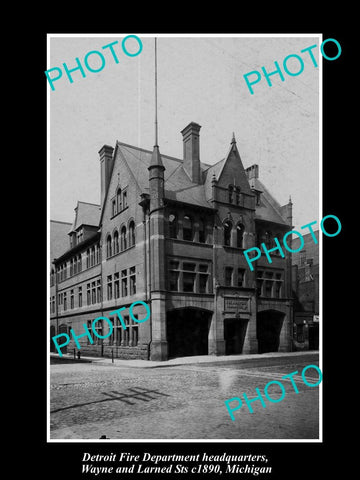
(86, 214)
(59, 240)
(269, 208)
(178, 185)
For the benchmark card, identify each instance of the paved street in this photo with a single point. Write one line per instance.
(182, 401)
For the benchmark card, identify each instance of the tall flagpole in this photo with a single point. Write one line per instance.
(156, 121)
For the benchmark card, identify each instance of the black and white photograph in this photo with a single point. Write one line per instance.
(185, 230)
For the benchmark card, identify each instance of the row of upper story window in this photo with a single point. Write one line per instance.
(119, 202)
(120, 240)
(195, 276)
(115, 243)
(235, 196)
(270, 283)
(75, 265)
(118, 285)
(196, 230)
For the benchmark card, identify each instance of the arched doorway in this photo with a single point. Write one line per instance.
(268, 328)
(187, 332)
(234, 335)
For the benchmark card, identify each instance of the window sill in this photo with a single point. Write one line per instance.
(122, 251)
(118, 213)
(187, 242)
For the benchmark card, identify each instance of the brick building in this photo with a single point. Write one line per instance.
(305, 279)
(170, 232)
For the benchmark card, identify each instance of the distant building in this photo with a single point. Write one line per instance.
(171, 232)
(305, 279)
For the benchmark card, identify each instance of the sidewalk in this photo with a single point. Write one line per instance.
(202, 359)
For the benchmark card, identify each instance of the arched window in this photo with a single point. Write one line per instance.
(173, 226)
(116, 242)
(123, 238)
(131, 233)
(108, 246)
(119, 200)
(227, 232)
(240, 235)
(230, 193)
(188, 233)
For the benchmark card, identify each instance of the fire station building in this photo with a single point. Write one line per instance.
(171, 232)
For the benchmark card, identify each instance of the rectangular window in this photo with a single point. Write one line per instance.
(132, 281)
(116, 285)
(189, 266)
(65, 301)
(113, 207)
(89, 326)
(203, 281)
(99, 330)
(268, 284)
(124, 283)
(134, 332)
(88, 296)
(240, 277)
(188, 281)
(228, 276)
(98, 291)
(278, 285)
(259, 282)
(80, 296)
(174, 280)
(126, 333)
(118, 334)
(71, 298)
(188, 277)
(109, 287)
(93, 292)
(203, 277)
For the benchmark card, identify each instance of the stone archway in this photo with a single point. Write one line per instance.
(187, 331)
(268, 327)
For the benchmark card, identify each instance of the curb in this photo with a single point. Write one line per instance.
(176, 362)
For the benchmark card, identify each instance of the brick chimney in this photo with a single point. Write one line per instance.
(252, 173)
(106, 166)
(191, 156)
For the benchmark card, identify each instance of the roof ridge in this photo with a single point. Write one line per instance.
(148, 151)
(89, 203)
(61, 221)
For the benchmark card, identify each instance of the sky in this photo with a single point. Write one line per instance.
(200, 79)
